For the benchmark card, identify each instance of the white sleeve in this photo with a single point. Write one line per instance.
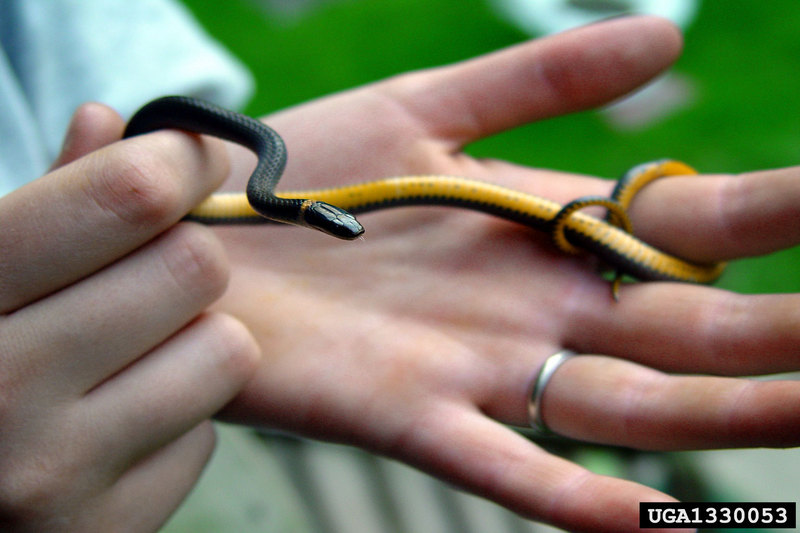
(119, 52)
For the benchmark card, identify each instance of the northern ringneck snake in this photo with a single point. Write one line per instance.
(332, 210)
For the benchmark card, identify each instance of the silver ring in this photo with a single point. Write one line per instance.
(546, 372)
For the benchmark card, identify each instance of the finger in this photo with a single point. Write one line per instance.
(92, 329)
(690, 329)
(158, 483)
(508, 469)
(92, 127)
(108, 497)
(93, 211)
(544, 78)
(185, 380)
(613, 401)
(713, 218)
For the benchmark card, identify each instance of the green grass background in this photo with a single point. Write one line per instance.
(743, 56)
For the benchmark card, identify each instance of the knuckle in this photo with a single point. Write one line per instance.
(140, 186)
(16, 372)
(725, 329)
(8, 375)
(29, 488)
(197, 261)
(237, 351)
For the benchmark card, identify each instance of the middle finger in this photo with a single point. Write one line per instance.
(106, 321)
(679, 327)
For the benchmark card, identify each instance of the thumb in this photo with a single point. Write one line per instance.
(92, 127)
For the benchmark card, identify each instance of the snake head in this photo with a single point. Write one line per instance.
(332, 220)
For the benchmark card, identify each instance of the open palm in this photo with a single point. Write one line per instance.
(420, 340)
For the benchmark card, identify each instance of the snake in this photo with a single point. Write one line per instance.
(332, 210)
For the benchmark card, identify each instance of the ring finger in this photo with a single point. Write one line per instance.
(613, 401)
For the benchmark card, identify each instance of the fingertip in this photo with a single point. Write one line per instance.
(93, 126)
(242, 354)
(648, 42)
(665, 32)
(605, 503)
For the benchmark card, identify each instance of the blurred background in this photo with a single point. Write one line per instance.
(731, 104)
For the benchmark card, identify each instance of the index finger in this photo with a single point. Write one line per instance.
(85, 215)
(544, 78)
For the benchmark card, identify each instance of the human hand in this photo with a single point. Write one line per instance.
(109, 368)
(420, 342)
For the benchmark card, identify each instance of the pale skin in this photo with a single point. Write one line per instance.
(418, 342)
(102, 427)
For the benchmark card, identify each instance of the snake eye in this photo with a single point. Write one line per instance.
(332, 220)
